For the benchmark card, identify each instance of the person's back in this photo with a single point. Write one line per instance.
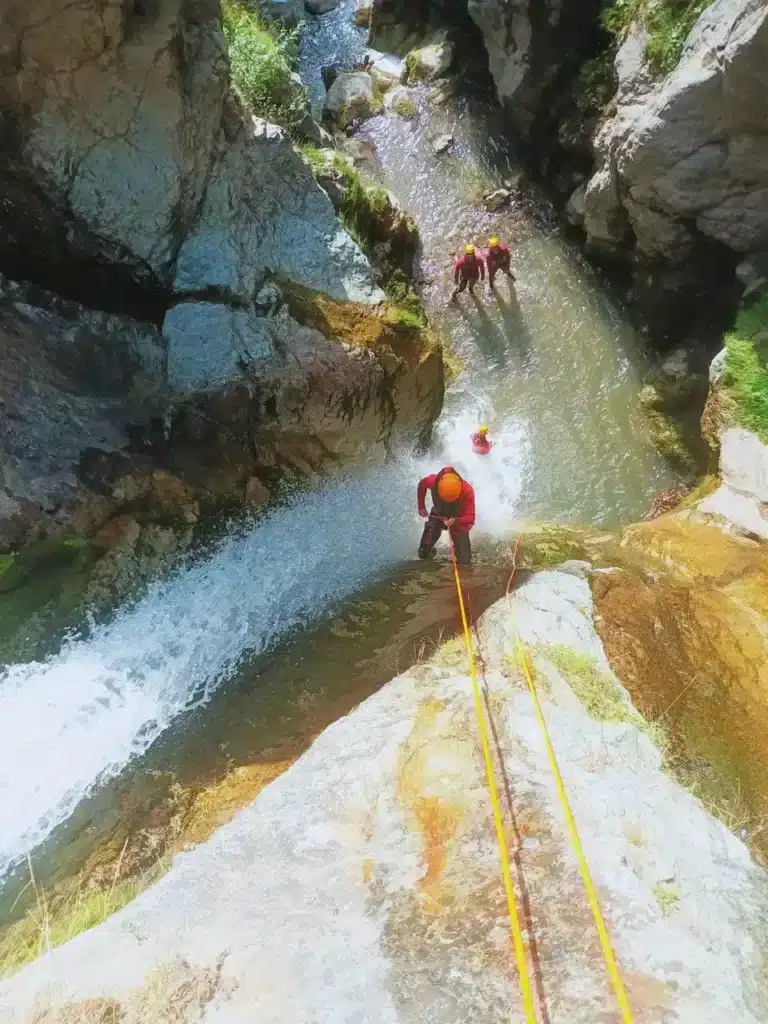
(498, 259)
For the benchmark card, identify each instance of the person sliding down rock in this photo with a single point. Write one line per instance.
(466, 271)
(481, 445)
(498, 260)
(453, 508)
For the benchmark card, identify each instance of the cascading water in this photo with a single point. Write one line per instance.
(551, 375)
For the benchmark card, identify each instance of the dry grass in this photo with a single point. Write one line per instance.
(57, 917)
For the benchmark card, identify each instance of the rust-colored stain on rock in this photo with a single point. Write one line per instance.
(436, 817)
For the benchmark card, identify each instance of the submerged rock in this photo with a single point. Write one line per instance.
(400, 102)
(497, 199)
(362, 16)
(383, 829)
(353, 95)
(442, 144)
(321, 6)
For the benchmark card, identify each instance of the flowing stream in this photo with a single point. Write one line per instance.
(209, 658)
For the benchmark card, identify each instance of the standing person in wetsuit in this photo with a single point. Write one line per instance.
(453, 508)
(498, 259)
(466, 271)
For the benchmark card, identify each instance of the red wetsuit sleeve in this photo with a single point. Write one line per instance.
(421, 493)
(466, 520)
(505, 258)
(457, 271)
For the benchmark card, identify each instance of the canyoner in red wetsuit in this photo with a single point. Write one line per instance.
(466, 271)
(481, 445)
(498, 259)
(453, 508)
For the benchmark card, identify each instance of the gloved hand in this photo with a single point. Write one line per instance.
(423, 513)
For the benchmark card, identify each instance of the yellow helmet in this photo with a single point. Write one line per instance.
(482, 429)
(493, 242)
(469, 250)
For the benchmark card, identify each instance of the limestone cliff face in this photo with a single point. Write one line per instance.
(531, 47)
(687, 155)
(105, 417)
(364, 882)
(125, 154)
(134, 183)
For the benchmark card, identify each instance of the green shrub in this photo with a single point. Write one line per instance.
(596, 82)
(746, 366)
(668, 22)
(262, 59)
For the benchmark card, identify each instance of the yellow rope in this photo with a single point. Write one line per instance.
(608, 955)
(514, 917)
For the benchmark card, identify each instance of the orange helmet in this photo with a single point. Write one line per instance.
(449, 486)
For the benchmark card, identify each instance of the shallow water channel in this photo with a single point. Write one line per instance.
(234, 664)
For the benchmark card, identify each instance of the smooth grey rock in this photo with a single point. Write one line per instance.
(321, 901)
(142, 144)
(717, 368)
(264, 213)
(352, 96)
(691, 147)
(574, 208)
(210, 344)
(742, 498)
(429, 62)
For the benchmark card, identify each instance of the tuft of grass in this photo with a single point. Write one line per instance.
(262, 58)
(55, 919)
(668, 23)
(746, 366)
(599, 693)
(667, 898)
(407, 307)
(405, 108)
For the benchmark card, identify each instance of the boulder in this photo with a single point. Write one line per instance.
(497, 199)
(677, 382)
(753, 272)
(442, 144)
(742, 498)
(353, 96)
(400, 101)
(384, 829)
(574, 208)
(362, 16)
(688, 151)
(321, 6)
(429, 62)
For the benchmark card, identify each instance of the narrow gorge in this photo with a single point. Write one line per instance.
(246, 742)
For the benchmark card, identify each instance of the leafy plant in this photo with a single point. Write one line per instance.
(668, 22)
(746, 366)
(262, 59)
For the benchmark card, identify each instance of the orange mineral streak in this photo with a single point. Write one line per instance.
(435, 817)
